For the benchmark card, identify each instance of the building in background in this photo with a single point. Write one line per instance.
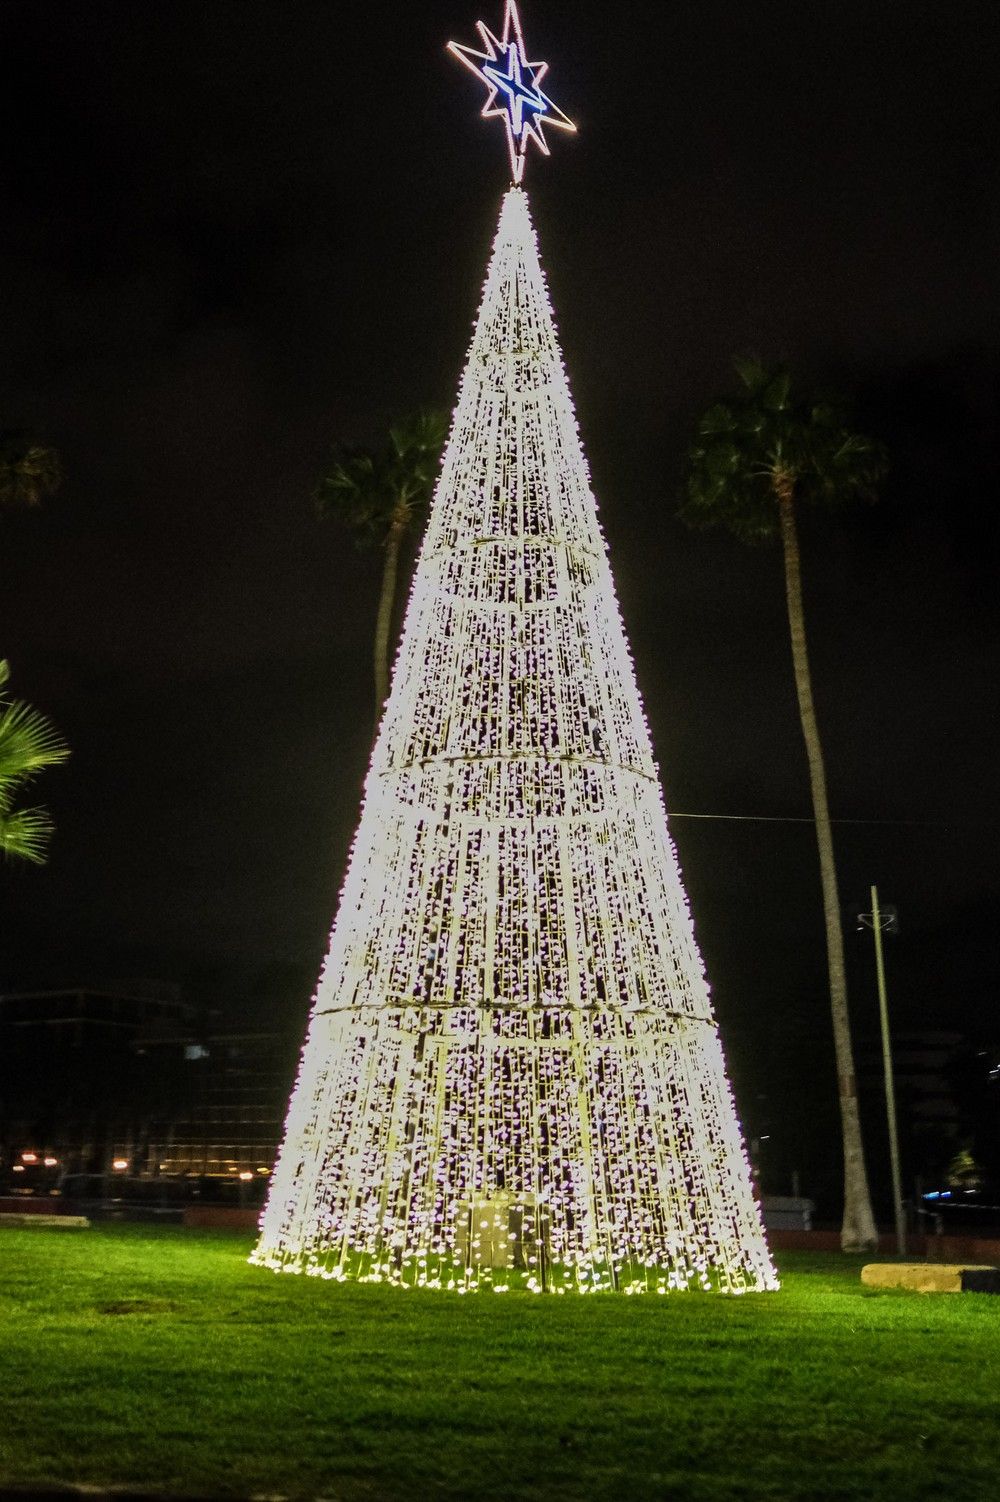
(125, 1091)
(227, 1120)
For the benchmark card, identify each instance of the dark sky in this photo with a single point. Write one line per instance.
(234, 233)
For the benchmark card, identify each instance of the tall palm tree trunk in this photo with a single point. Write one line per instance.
(858, 1232)
(387, 599)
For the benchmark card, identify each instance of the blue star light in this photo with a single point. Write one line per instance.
(513, 84)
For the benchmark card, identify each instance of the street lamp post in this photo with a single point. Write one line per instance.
(881, 921)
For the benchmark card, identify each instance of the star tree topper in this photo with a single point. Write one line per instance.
(513, 84)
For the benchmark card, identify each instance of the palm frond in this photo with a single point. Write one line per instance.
(748, 447)
(354, 490)
(718, 419)
(775, 390)
(28, 742)
(751, 371)
(29, 470)
(423, 433)
(369, 490)
(26, 834)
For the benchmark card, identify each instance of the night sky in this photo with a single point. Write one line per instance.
(235, 233)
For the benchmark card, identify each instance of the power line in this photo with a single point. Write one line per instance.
(805, 819)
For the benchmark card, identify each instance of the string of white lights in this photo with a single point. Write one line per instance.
(512, 1074)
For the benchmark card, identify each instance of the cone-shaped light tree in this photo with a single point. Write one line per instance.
(512, 1071)
(757, 459)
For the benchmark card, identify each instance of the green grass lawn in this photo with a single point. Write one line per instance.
(158, 1358)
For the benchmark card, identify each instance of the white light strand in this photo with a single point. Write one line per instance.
(512, 1075)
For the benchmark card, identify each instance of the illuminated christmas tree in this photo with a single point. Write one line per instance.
(512, 1074)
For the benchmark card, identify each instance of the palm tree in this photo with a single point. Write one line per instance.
(29, 471)
(28, 742)
(757, 459)
(381, 496)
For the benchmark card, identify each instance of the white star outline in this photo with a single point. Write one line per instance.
(521, 105)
